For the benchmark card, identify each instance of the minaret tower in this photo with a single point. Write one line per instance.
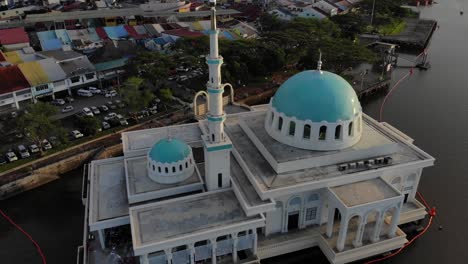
(216, 143)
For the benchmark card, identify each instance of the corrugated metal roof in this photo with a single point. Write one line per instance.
(34, 73)
(116, 32)
(61, 55)
(63, 36)
(12, 79)
(13, 36)
(51, 44)
(78, 66)
(101, 33)
(108, 65)
(53, 70)
(13, 57)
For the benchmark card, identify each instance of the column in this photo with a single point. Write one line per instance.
(394, 223)
(192, 253)
(330, 221)
(343, 232)
(213, 250)
(16, 101)
(359, 234)
(69, 90)
(102, 238)
(144, 259)
(378, 226)
(255, 238)
(234, 247)
(168, 255)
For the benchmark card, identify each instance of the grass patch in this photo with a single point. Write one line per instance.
(392, 29)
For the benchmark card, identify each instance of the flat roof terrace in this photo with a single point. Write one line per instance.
(139, 142)
(141, 187)
(267, 181)
(364, 192)
(108, 195)
(185, 220)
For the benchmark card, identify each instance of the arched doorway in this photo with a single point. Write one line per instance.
(294, 212)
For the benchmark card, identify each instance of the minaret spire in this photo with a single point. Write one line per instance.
(319, 63)
(215, 89)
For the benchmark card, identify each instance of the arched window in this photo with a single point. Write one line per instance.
(292, 128)
(295, 201)
(154, 168)
(313, 197)
(272, 118)
(159, 169)
(338, 132)
(190, 161)
(180, 167)
(323, 133)
(166, 169)
(350, 129)
(280, 123)
(359, 124)
(173, 169)
(212, 137)
(306, 131)
(186, 164)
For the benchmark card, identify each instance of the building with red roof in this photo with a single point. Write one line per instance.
(14, 38)
(12, 79)
(181, 33)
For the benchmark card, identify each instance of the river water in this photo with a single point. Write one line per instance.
(431, 106)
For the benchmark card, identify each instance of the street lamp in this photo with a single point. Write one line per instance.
(372, 14)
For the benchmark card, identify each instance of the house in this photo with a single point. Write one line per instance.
(311, 12)
(282, 13)
(14, 38)
(327, 7)
(15, 88)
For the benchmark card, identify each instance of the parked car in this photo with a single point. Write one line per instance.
(24, 153)
(87, 112)
(111, 105)
(76, 134)
(2, 160)
(95, 110)
(67, 109)
(94, 90)
(46, 145)
(58, 102)
(122, 120)
(110, 116)
(105, 125)
(70, 99)
(34, 148)
(110, 93)
(11, 156)
(119, 103)
(84, 93)
(104, 108)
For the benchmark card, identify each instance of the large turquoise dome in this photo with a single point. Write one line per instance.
(169, 150)
(317, 96)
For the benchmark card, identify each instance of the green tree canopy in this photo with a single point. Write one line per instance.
(135, 94)
(36, 123)
(89, 125)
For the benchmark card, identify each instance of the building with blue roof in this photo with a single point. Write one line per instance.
(116, 32)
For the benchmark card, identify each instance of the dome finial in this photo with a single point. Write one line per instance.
(319, 63)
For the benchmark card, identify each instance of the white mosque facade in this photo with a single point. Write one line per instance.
(309, 169)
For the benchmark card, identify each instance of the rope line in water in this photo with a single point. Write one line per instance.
(431, 211)
(38, 248)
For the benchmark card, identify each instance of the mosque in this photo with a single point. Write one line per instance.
(309, 169)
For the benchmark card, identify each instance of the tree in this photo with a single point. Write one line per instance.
(135, 94)
(90, 125)
(166, 94)
(152, 67)
(36, 123)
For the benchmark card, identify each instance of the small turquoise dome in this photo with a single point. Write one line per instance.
(317, 96)
(169, 150)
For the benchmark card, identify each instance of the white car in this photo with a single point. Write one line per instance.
(76, 134)
(95, 110)
(94, 90)
(11, 156)
(24, 153)
(110, 116)
(87, 112)
(110, 93)
(34, 148)
(67, 109)
(46, 144)
(105, 125)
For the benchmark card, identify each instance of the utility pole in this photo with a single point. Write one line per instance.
(372, 14)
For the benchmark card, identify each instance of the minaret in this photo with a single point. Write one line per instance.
(319, 63)
(217, 146)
